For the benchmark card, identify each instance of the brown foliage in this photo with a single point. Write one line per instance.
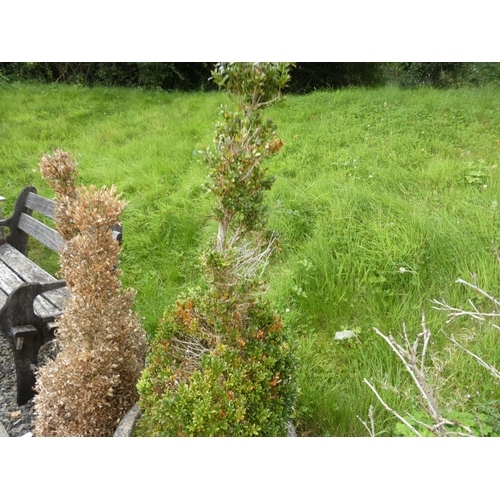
(91, 384)
(60, 172)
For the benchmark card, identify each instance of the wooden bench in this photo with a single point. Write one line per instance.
(30, 298)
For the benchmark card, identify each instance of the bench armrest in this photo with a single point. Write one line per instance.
(19, 306)
(52, 285)
(5, 222)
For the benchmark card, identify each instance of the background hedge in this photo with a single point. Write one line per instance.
(306, 76)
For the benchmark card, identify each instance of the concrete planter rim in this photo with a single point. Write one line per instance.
(127, 425)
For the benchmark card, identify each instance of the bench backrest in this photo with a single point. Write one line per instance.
(22, 224)
(38, 230)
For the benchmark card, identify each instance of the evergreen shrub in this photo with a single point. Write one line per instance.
(218, 367)
(221, 363)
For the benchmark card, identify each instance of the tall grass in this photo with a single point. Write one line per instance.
(382, 199)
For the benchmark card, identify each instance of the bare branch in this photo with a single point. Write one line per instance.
(490, 368)
(389, 409)
(371, 431)
(427, 336)
(479, 290)
(409, 359)
(253, 257)
(438, 427)
(455, 312)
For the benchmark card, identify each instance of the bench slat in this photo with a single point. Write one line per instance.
(9, 280)
(22, 266)
(41, 205)
(46, 235)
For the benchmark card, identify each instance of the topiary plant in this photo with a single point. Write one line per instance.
(220, 363)
(91, 384)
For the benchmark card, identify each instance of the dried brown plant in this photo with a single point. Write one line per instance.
(91, 383)
(60, 172)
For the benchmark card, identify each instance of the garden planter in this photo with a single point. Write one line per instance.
(126, 427)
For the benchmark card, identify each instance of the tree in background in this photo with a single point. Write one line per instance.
(309, 76)
(186, 76)
(305, 76)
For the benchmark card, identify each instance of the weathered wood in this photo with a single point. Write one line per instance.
(19, 310)
(44, 234)
(30, 272)
(19, 332)
(26, 333)
(25, 359)
(9, 281)
(30, 298)
(18, 238)
(41, 205)
(3, 298)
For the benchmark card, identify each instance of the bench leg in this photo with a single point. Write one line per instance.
(26, 332)
(26, 361)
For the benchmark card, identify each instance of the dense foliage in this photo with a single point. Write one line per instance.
(218, 367)
(445, 74)
(309, 76)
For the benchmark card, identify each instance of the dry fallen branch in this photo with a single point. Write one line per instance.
(415, 364)
(409, 357)
(389, 409)
(439, 425)
(455, 312)
(483, 363)
(482, 292)
(371, 429)
(474, 312)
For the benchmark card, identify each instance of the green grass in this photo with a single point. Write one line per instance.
(369, 182)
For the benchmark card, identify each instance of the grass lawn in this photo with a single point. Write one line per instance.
(382, 199)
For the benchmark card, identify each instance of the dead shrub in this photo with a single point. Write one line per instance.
(91, 384)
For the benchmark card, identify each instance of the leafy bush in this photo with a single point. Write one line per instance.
(443, 74)
(306, 76)
(221, 364)
(218, 367)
